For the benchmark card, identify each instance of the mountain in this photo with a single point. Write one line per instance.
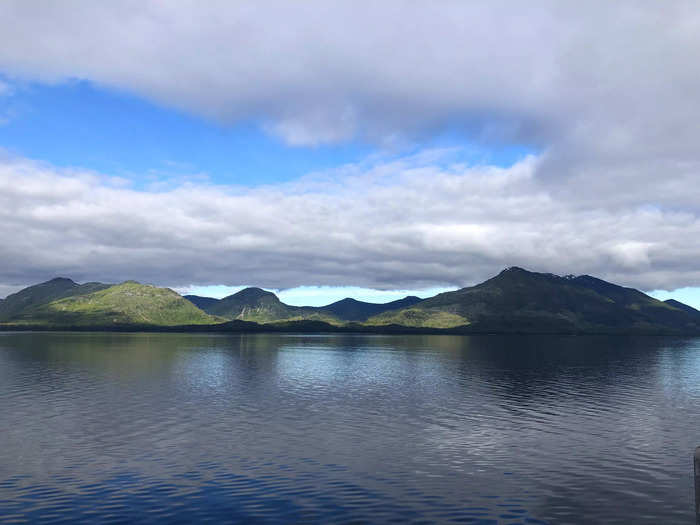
(682, 306)
(65, 303)
(517, 300)
(514, 301)
(201, 302)
(353, 310)
(23, 304)
(261, 306)
(251, 304)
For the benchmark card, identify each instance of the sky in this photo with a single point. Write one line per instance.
(349, 148)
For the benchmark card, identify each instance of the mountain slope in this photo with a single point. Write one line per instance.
(129, 303)
(261, 306)
(682, 306)
(517, 300)
(250, 304)
(419, 317)
(201, 302)
(24, 304)
(353, 310)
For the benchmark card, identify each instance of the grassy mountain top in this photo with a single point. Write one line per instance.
(23, 305)
(129, 303)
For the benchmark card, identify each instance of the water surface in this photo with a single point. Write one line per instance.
(347, 428)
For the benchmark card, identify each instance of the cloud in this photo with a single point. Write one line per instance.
(586, 77)
(607, 92)
(409, 223)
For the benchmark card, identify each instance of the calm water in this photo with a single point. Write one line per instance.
(335, 428)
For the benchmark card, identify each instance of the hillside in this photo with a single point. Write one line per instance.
(201, 302)
(682, 306)
(517, 300)
(251, 304)
(353, 310)
(129, 303)
(23, 305)
(261, 306)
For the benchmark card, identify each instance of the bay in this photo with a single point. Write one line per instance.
(320, 428)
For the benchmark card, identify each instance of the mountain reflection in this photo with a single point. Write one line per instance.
(338, 426)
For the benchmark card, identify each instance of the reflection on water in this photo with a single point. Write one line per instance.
(179, 427)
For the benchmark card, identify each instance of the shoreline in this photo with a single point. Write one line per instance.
(246, 327)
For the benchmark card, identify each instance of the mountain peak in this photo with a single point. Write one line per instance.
(514, 269)
(517, 274)
(682, 306)
(60, 280)
(251, 293)
(347, 300)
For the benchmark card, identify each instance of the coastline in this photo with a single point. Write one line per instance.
(316, 327)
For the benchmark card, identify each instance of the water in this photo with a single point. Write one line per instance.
(347, 428)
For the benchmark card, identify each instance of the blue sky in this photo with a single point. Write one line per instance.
(171, 142)
(321, 295)
(79, 124)
(687, 295)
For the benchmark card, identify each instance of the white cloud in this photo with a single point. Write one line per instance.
(404, 224)
(607, 91)
(631, 254)
(610, 78)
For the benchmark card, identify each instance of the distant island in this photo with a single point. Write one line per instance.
(514, 301)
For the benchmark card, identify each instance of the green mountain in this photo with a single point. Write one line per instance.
(24, 305)
(251, 304)
(517, 300)
(62, 302)
(260, 306)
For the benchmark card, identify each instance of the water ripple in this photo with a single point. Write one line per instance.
(346, 428)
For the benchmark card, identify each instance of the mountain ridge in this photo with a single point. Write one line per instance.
(256, 304)
(63, 302)
(518, 300)
(513, 301)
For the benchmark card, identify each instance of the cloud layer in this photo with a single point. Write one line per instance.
(407, 223)
(606, 91)
(606, 76)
